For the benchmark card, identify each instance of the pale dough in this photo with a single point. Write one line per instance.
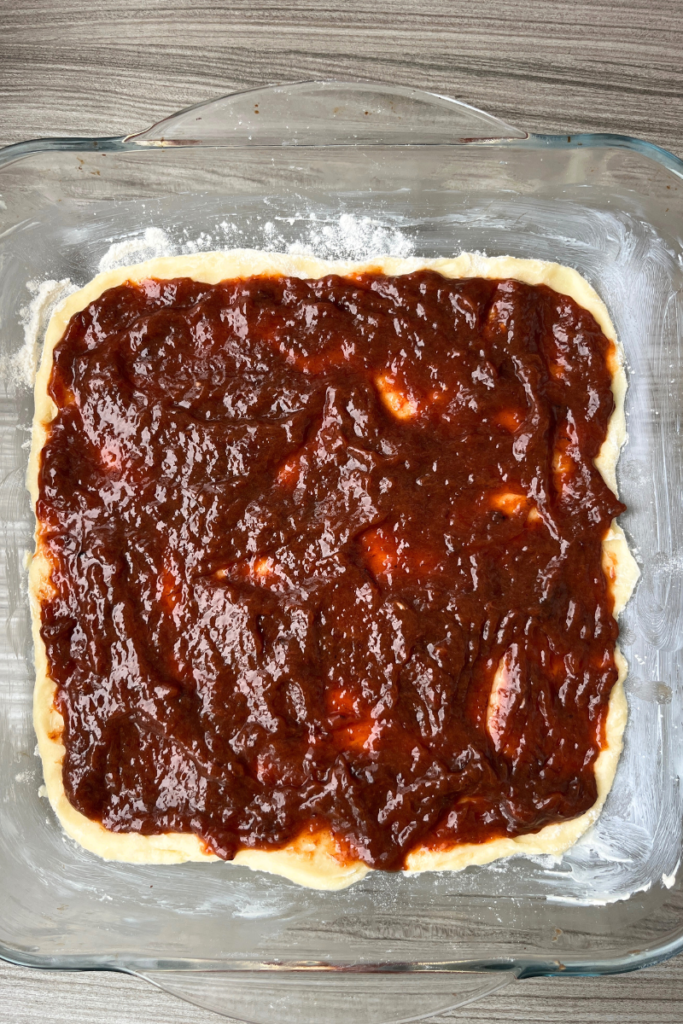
(311, 860)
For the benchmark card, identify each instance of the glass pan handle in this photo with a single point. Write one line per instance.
(327, 114)
(329, 997)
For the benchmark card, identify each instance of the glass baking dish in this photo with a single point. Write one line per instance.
(352, 170)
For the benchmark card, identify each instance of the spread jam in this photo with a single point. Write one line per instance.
(327, 553)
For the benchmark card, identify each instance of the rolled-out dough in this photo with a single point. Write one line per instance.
(314, 860)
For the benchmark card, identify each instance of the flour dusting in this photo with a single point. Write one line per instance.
(35, 316)
(146, 246)
(350, 238)
(346, 237)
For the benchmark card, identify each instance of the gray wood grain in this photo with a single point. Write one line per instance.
(71, 67)
(652, 996)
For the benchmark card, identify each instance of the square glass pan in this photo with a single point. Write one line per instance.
(350, 170)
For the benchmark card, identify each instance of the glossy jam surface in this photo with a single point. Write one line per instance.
(328, 553)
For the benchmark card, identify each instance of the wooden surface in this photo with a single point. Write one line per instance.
(70, 67)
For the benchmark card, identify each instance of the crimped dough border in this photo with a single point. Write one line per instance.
(313, 860)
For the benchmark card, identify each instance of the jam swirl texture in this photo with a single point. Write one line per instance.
(327, 554)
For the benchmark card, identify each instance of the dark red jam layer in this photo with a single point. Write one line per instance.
(298, 529)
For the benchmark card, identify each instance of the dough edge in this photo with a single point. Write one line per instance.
(312, 859)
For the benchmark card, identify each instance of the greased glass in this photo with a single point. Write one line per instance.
(352, 170)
